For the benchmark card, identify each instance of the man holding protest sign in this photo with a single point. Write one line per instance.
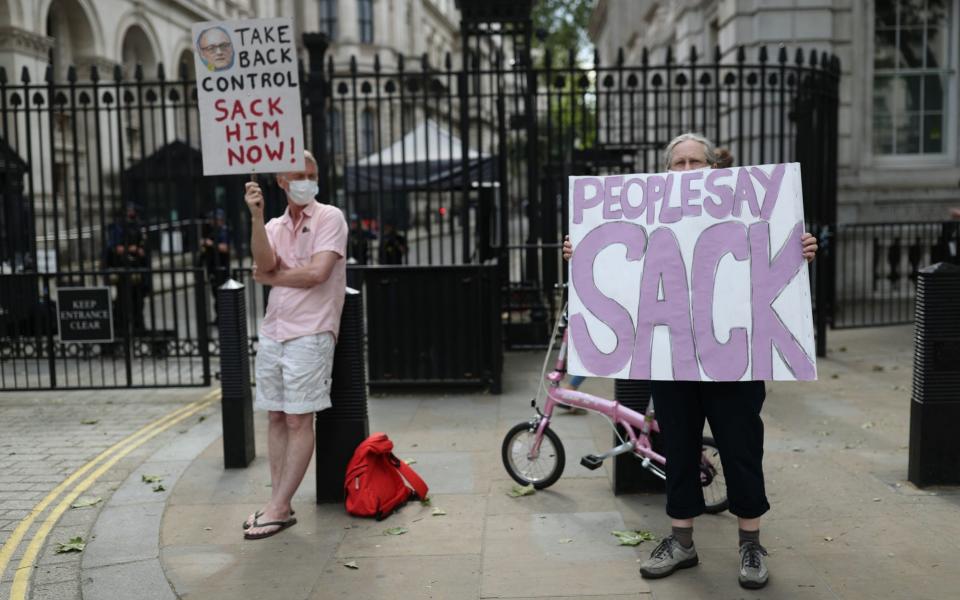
(301, 256)
(248, 94)
(724, 231)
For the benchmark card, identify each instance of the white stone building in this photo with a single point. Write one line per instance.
(106, 32)
(899, 118)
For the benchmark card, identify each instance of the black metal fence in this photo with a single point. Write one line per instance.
(433, 164)
(877, 266)
(471, 163)
(173, 351)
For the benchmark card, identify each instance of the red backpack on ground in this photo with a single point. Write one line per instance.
(375, 486)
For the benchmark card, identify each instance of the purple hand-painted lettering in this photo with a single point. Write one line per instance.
(687, 194)
(664, 265)
(613, 189)
(611, 313)
(581, 201)
(720, 361)
(720, 206)
(769, 277)
(771, 187)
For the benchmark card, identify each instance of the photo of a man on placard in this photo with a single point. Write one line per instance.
(216, 49)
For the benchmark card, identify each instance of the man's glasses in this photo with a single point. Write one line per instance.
(217, 47)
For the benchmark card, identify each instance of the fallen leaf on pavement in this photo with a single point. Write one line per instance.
(89, 421)
(74, 545)
(396, 531)
(828, 539)
(438, 512)
(633, 538)
(85, 501)
(159, 488)
(351, 565)
(151, 478)
(521, 490)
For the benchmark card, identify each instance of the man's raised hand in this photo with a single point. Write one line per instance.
(254, 197)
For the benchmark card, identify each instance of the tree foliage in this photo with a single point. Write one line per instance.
(561, 26)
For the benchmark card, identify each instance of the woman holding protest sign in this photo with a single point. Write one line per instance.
(733, 410)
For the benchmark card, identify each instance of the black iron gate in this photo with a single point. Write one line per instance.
(172, 351)
(434, 162)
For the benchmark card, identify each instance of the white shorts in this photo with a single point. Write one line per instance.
(294, 376)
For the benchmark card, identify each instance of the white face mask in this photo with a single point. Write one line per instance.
(302, 191)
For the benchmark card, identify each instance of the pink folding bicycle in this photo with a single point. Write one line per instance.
(533, 453)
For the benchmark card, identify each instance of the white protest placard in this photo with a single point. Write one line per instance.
(248, 93)
(693, 275)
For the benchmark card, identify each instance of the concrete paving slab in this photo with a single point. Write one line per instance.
(62, 590)
(221, 524)
(568, 495)
(284, 566)
(534, 555)
(408, 577)
(143, 580)
(139, 492)
(716, 577)
(460, 531)
(446, 472)
(124, 534)
(639, 596)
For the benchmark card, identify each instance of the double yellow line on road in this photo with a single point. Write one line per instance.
(98, 465)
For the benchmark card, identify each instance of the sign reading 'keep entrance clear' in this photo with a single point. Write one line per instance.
(695, 275)
(85, 314)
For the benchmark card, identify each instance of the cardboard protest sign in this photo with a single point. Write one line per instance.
(693, 275)
(248, 93)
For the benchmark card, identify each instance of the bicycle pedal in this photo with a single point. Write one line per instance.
(592, 461)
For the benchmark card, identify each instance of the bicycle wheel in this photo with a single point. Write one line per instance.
(712, 479)
(542, 471)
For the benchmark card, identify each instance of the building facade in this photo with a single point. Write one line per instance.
(34, 33)
(899, 118)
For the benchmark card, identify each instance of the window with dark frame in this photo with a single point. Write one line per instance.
(365, 14)
(328, 18)
(335, 132)
(912, 75)
(366, 132)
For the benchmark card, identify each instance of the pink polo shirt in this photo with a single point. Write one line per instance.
(296, 312)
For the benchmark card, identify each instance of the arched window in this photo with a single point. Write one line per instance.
(365, 15)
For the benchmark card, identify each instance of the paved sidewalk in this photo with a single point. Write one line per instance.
(845, 522)
(45, 437)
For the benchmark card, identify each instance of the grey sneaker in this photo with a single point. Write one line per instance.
(753, 567)
(667, 557)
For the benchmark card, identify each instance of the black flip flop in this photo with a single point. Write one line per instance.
(281, 525)
(258, 514)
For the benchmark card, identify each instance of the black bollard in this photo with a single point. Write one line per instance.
(342, 427)
(628, 475)
(236, 400)
(935, 405)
